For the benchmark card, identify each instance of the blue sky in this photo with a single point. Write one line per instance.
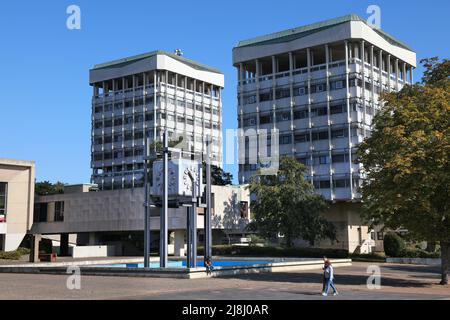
(45, 95)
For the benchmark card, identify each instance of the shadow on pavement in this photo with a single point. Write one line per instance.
(414, 268)
(315, 278)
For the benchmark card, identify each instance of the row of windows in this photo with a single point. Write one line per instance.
(319, 135)
(314, 88)
(337, 183)
(281, 93)
(139, 118)
(303, 114)
(325, 159)
(121, 168)
(119, 106)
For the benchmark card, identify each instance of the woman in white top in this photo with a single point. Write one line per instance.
(329, 278)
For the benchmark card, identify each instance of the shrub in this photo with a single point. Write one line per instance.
(255, 251)
(394, 245)
(419, 253)
(14, 255)
(10, 255)
(374, 256)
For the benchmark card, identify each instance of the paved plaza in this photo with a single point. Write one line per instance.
(397, 282)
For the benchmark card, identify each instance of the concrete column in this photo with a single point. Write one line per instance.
(309, 63)
(363, 89)
(179, 243)
(64, 245)
(34, 252)
(396, 75)
(349, 115)
(389, 72)
(404, 73)
(330, 167)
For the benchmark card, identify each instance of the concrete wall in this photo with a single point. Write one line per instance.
(19, 200)
(122, 210)
(351, 233)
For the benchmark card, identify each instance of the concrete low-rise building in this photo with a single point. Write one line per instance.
(16, 201)
(116, 218)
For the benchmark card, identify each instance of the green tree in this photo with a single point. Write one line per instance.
(406, 161)
(286, 204)
(219, 177)
(46, 188)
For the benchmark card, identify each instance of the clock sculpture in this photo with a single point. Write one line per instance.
(180, 184)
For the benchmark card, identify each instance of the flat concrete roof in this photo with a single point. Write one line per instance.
(15, 162)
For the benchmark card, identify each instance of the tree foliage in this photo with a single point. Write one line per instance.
(406, 159)
(286, 204)
(219, 177)
(46, 188)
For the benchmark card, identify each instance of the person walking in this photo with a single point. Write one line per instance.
(329, 279)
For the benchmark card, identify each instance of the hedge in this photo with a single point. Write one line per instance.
(418, 253)
(256, 251)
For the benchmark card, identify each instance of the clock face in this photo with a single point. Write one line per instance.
(187, 182)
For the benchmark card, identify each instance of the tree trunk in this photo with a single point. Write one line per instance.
(288, 240)
(445, 261)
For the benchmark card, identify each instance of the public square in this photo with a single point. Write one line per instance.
(398, 282)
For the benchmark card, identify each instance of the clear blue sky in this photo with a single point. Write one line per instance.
(45, 95)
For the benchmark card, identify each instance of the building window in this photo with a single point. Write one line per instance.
(341, 183)
(321, 135)
(323, 184)
(250, 99)
(249, 121)
(283, 93)
(284, 116)
(40, 212)
(301, 114)
(59, 211)
(303, 137)
(3, 190)
(265, 119)
(244, 210)
(321, 160)
(340, 108)
(339, 133)
(338, 158)
(266, 96)
(286, 139)
(300, 91)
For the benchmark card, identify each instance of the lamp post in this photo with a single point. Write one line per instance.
(208, 211)
(146, 205)
(163, 229)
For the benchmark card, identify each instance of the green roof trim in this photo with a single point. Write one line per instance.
(299, 32)
(125, 61)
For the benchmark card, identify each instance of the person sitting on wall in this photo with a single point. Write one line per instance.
(208, 265)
